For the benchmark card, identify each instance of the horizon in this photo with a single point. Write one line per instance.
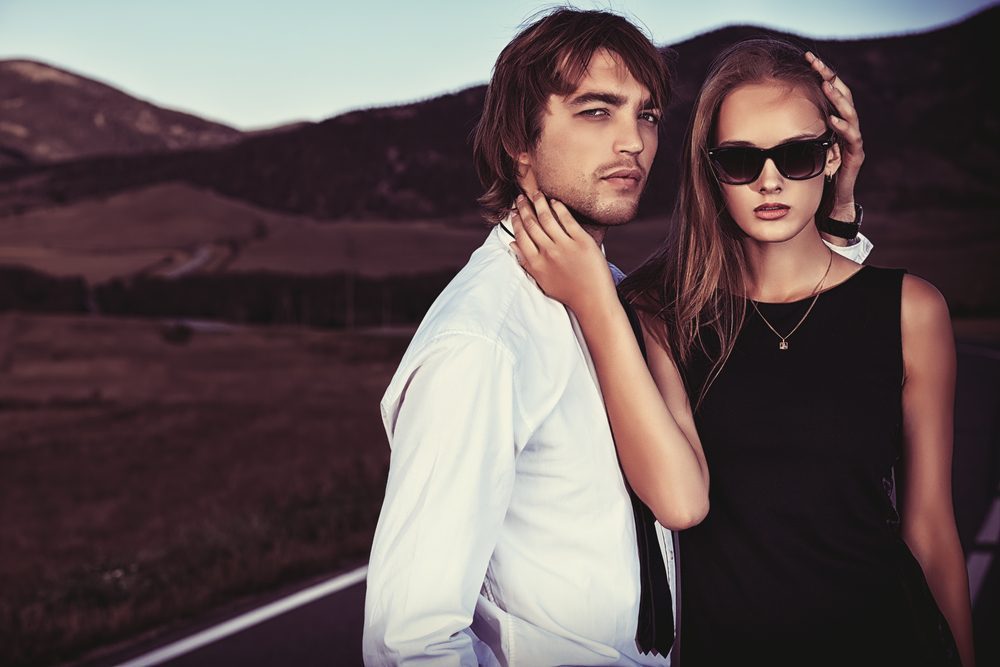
(134, 49)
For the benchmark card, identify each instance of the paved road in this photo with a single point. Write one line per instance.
(323, 633)
(328, 631)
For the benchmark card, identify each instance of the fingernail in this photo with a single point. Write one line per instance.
(520, 199)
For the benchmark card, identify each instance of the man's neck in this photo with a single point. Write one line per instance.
(596, 230)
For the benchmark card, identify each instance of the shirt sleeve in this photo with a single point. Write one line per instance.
(856, 251)
(451, 431)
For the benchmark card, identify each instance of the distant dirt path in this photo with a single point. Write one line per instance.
(205, 258)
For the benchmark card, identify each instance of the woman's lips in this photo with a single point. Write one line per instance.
(771, 211)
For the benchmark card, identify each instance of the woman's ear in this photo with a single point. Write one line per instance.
(833, 161)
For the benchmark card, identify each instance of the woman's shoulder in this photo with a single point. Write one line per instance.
(922, 303)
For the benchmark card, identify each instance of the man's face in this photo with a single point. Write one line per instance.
(596, 144)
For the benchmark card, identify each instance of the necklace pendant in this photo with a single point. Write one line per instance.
(783, 345)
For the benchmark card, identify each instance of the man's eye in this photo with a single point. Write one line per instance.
(650, 117)
(594, 113)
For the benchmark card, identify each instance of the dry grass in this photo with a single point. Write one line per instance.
(127, 233)
(158, 228)
(142, 481)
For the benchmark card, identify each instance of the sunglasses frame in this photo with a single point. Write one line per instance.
(823, 143)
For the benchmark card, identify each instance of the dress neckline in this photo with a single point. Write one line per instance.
(808, 298)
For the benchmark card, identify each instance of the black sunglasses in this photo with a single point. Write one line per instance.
(796, 160)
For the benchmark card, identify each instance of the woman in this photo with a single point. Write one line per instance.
(813, 382)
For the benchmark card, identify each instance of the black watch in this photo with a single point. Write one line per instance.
(841, 229)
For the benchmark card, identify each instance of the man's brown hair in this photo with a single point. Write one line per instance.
(549, 57)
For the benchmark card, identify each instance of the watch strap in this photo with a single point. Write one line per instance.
(841, 229)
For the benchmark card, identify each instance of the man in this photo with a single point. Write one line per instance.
(507, 535)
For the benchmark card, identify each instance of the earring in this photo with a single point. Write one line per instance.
(829, 178)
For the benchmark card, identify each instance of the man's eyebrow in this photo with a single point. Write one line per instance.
(797, 137)
(583, 99)
(611, 99)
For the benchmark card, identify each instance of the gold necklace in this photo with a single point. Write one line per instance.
(783, 340)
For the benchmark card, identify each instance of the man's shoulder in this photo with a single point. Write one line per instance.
(493, 306)
(491, 297)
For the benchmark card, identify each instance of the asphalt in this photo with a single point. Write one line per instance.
(327, 631)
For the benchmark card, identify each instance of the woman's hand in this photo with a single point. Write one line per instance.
(560, 255)
(848, 128)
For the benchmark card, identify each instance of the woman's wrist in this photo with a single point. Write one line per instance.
(596, 305)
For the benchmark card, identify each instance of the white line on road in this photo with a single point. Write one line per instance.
(977, 566)
(244, 621)
(989, 533)
(981, 557)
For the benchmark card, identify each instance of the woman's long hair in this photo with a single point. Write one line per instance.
(694, 287)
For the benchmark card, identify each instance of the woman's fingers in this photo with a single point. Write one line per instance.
(546, 218)
(525, 247)
(843, 104)
(829, 76)
(528, 214)
(566, 219)
(846, 122)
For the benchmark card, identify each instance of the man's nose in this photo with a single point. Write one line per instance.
(770, 179)
(628, 138)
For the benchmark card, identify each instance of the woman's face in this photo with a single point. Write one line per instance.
(772, 208)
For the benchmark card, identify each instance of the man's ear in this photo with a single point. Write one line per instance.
(526, 173)
(833, 161)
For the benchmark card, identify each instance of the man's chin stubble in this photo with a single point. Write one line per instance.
(602, 220)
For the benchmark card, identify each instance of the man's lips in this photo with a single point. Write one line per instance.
(633, 174)
(771, 211)
(626, 179)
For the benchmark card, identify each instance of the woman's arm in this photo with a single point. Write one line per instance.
(928, 406)
(657, 445)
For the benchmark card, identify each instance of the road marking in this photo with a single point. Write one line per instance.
(250, 618)
(988, 538)
(989, 534)
(978, 565)
(981, 555)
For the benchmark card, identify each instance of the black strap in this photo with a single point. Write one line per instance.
(655, 632)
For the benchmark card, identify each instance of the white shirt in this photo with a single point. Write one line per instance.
(856, 251)
(507, 530)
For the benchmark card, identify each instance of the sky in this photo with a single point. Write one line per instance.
(254, 64)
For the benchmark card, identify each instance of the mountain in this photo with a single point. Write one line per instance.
(48, 114)
(925, 101)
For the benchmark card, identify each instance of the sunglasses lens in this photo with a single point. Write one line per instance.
(801, 160)
(737, 166)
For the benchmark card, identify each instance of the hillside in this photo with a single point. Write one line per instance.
(930, 130)
(48, 114)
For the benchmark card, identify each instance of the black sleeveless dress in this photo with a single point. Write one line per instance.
(800, 561)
